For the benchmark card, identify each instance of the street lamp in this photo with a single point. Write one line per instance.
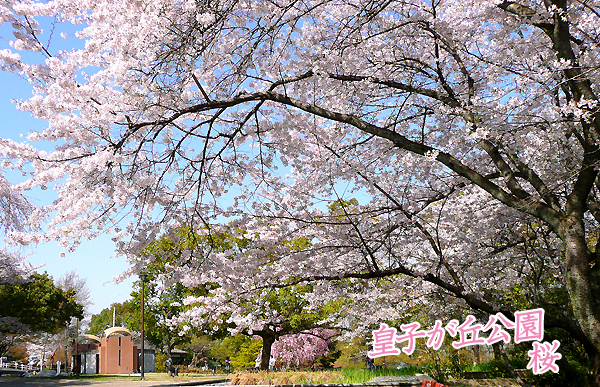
(143, 279)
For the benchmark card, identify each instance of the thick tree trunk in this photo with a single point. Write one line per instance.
(583, 285)
(168, 344)
(268, 338)
(476, 354)
(594, 375)
(497, 347)
(195, 361)
(583, 280)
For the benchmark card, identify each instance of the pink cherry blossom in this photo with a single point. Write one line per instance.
(416, 147)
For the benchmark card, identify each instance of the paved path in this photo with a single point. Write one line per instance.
(406, 381)
(50, 382)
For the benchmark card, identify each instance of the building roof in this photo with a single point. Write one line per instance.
(117, 331)
(88, 337)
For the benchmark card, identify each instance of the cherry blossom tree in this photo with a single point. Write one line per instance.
(33, 307)
(302, 348)
(449, 122)
(276, 316)
(14, 209)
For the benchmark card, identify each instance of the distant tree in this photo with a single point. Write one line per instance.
(72, 280)
(279, 312)
(303, 348)
(14, 210)
(163, 295)
(104, 320)
(268, 314)
(161, 305)
(242, 350)
(204, 346)
(39, 303)
(17, 353)
(35, 306)
(62, 342)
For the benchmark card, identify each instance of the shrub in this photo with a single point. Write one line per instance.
(159, 361)
(495, 369)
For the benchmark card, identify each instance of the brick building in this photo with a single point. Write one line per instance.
(114, 353)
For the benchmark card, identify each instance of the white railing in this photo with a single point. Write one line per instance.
(16, 366)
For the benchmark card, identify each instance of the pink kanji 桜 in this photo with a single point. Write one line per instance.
(498, 334)
(384, 342)
(543, 357)
(529, 325)
(469, 334)
(412, 333)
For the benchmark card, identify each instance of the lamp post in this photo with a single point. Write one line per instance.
(77, 363)
(143, 279)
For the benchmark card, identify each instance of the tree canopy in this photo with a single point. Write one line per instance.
(452, 123)
(163, 301)
(14, 210)
(104, 320)
(37, 305)
(269, 314)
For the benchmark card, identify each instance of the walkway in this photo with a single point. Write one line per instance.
(52, 382)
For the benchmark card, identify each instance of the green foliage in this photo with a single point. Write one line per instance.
(39, 303)
(445, 362)
(327, 361)
(159, 361)
(163, 300)
(494, 368)
(242, 351)
(298, 244)
(577, 376)
(289, 302)
(103, 320)
(158, 309)
(340, 205)
(362, 375)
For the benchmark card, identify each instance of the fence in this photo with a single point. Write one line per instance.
(16, 366)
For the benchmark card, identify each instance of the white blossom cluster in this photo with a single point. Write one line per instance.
(418, 148)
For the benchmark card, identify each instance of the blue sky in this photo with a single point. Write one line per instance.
(94, 259)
